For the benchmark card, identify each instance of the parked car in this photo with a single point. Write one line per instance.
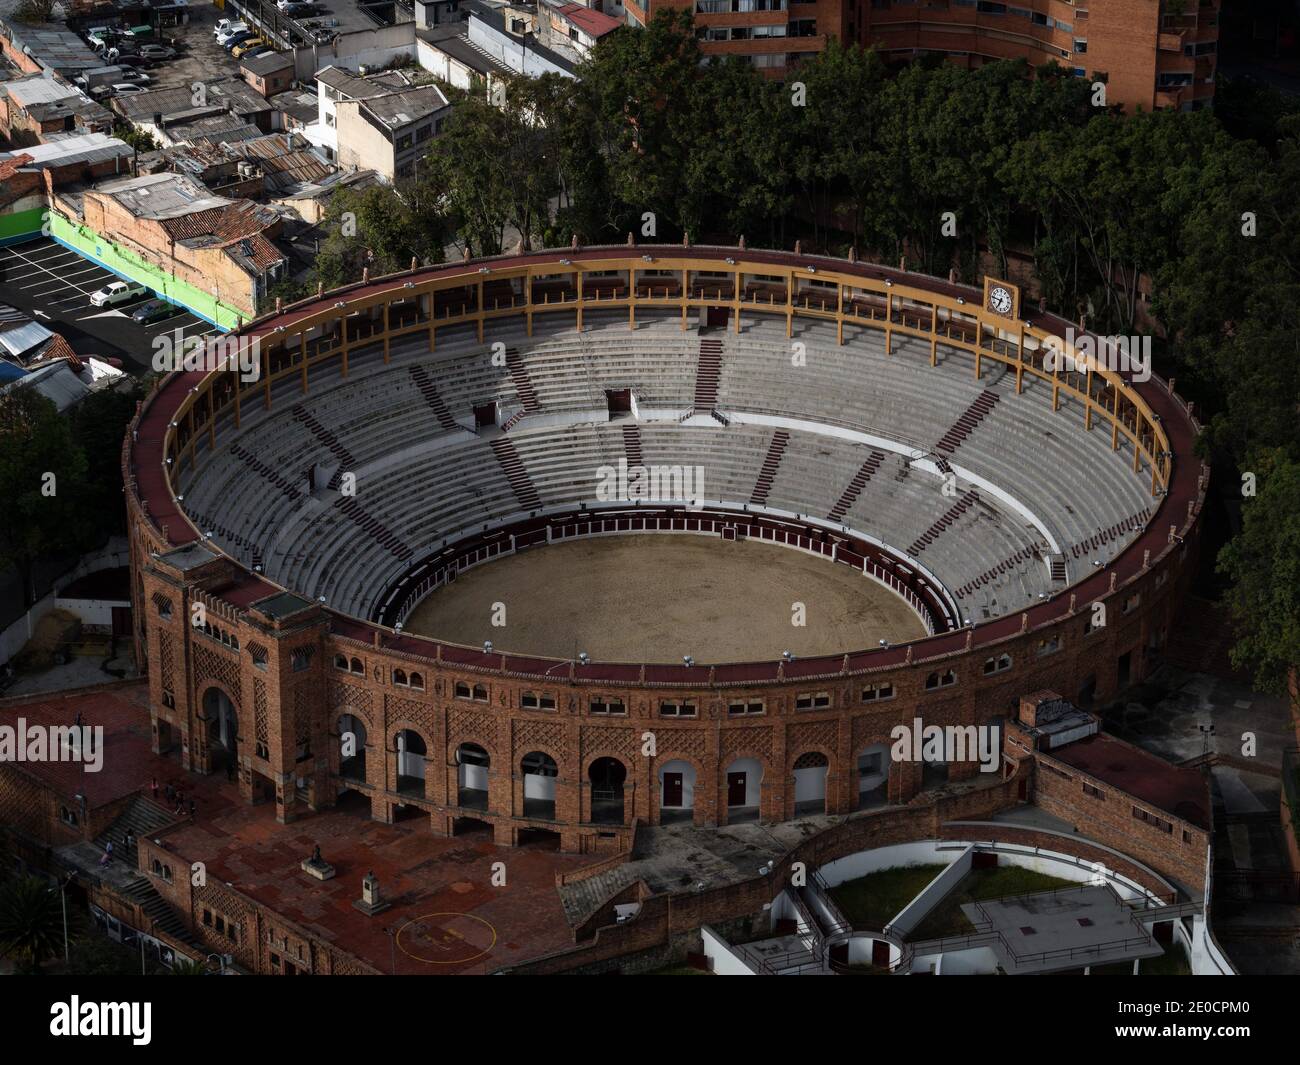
(262, 49)
(116, 292)
(226, 25)
(237, 38)
(298, 10)
(157, 51)
(232, 30)
(244, 47)
(126, 88)
(137, 77)
(154, 311)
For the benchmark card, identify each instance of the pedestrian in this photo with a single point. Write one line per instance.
(108, 854)
(128, 841)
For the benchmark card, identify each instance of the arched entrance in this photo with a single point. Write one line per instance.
(607, 776)
(411, 753)
(676, 792)
(223, 728)
(352, 748)
(744, 779)
(539, 772)
(472, 764)
(810, 770)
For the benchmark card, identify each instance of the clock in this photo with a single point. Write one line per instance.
(1001, 297)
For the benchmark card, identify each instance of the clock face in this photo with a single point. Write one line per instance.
(1000, 300)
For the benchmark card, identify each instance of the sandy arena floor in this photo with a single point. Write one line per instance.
(655, 598)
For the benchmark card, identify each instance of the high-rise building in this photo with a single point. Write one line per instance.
(1153, 54)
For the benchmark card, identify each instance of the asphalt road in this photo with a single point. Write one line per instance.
(54, 285)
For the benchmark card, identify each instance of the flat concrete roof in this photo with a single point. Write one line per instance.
(1065, 929)
(1178, 790)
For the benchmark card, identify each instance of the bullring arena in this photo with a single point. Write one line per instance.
(322, 554)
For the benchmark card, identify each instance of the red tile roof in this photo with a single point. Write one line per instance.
(595, 23)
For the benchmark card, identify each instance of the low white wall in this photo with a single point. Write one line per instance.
(726, 962)
(91, 611)
(922, 852)
(931, 895)
(114, 554)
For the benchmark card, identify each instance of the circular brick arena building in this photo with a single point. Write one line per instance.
(875, 498)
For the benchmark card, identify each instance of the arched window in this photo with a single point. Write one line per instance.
(399, 677)
(357, 666)
(340, 661)
(417, 681)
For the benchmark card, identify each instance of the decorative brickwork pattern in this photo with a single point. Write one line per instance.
(208, 665)
(747, 740)
(820, 734)
(534, 735)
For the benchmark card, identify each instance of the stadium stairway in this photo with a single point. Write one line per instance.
(707, 375)
(968, 422)
(860, 479)
(771, 463)
(432, 397)
(525, 490)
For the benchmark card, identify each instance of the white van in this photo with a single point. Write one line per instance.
(227, 29)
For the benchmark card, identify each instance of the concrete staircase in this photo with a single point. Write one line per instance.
(865, 472)
(968, 422)
(706, 376)
(141, 817)
(331, 442)
(513, 468)
(155, 907)
(432, 397)
(771, 462)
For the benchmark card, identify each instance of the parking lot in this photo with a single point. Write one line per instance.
(54, 284)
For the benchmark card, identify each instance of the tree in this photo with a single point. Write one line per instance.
(381, 229)
(99, 423)
(42, 481)
(31, 922)
(1263, 562)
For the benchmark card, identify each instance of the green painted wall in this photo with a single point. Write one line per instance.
(130, 265)
(21, 223)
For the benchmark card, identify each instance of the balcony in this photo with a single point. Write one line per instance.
(1170, 98)
(1171, 40)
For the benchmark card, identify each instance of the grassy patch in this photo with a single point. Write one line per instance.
(946, 919)
(871, 901)
(1173, 962)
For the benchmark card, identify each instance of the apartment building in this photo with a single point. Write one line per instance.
(1151, 53)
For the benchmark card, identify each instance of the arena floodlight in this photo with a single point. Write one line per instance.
(786, 656)
(884, 643)
(888, 283)
(320, 599)
(812, 269)
(180, 499)
(566, 262)
(961, 301)
(583, 658)
(731, 261)
(647, 258)
(484, 270)
(397, 627)
(688, 660)
(341, 304)
(409, 284)
(487, 647)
